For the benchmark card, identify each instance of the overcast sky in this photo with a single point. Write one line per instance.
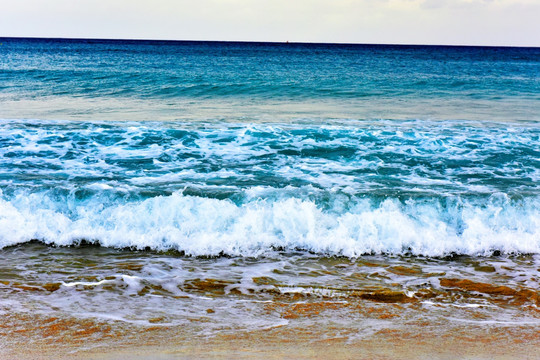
(467, 22)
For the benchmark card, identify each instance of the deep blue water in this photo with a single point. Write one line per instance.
(242, 148)
(123, 80)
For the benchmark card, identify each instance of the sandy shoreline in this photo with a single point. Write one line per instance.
(276, 345)
(325, 332)
(76, 304)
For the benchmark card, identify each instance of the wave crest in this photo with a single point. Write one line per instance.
(208, 227)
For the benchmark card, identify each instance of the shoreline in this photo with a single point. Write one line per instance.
(278, 344)
(310, 330)
(100, 303)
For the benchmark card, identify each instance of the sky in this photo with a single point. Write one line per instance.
(448, 22)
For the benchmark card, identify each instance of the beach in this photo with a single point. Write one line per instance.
(163, 199)
(362, 313)
(405, 335)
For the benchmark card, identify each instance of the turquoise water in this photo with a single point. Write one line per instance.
(194, 81)
(244, 148)
(420, 187)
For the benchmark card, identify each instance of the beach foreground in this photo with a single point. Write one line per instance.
(36, 337)
(101, 303)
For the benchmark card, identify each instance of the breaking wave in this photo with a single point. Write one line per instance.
(346, 227)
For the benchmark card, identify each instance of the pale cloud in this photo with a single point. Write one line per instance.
(482, 22)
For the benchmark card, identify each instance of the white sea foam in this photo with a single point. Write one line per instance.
(420, 187)
(87, 283)
(204, 226)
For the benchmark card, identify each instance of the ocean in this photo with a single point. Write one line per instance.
(248, 186)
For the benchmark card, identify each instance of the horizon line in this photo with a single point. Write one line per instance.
(286, 42)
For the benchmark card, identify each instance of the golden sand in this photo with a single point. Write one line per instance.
(412, 333)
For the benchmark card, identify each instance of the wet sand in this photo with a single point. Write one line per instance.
(312, 330)
(99, 303)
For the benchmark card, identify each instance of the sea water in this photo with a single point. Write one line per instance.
(144, 177)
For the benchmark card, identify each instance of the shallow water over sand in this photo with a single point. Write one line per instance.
(99, 288)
